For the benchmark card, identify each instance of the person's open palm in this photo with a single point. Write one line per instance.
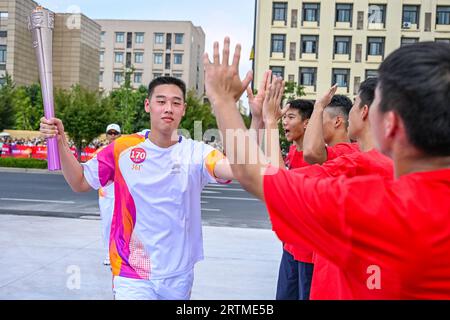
(222, 80)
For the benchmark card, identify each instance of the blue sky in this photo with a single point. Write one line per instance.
(218, 19)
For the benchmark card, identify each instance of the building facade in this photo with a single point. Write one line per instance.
(151, 49)
(317, 43)
(76, 42)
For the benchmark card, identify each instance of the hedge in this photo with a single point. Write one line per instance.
(23, 163)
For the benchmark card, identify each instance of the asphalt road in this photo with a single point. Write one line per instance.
(48, 195)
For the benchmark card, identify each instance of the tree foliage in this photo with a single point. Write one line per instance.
(7, 103)
(84, 113)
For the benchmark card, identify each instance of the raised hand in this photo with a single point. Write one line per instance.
(272, 111)
(222, 81)
(325, 100)
(256, 102)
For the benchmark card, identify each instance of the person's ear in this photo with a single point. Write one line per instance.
(305, 123)
(391, 123)
(338, 121)
(365, 112)
(147, 105)
(184, 110)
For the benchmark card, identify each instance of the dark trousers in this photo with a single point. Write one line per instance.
(294, 278)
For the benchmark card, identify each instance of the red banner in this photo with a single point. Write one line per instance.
(40, 152)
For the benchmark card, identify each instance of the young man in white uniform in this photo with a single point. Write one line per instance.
(156, 235)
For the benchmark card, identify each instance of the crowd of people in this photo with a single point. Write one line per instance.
(360, 202)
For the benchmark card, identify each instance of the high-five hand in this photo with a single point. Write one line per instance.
(222, 81)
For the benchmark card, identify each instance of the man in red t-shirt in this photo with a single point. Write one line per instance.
(390, 238)
(326, 138)
(295, 121)
(327, 278)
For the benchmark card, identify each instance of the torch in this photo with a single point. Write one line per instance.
(41, 24)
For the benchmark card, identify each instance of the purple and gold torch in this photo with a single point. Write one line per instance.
(41, 24)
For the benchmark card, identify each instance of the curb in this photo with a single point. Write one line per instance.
(27, 170)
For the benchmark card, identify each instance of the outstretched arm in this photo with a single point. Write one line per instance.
(223, 84)
(71, 168)
(272, 114)
(256, 106)
(314, 147)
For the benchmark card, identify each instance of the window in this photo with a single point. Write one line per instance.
(158, 58)
(407, 41)
(411, 14)
(167, 60)
(358, 52)
(344, 12)
(311, 12)
(139, 37)
(2, 81)
(3, 34)
(129, 40)
(279, 12)
(442, 40)
(3, 15)
(443, 15)
(291, 78)
(340, 77)
(139, 57)
(100, 77)
(118, 57)
(292, 50)
(159, 38)
(278, 43)
(308, 76)
(178, 75)
(128, 60)
(138, 77)
(179, 38)
(178, 58)
(2, 54)
(157, 75)
(102, 36)
(102, 56)
(371, 74)
(118, 77)
(120, 37)
(294, 18)
(377, 13)
(375, 46)
(168, 41)
(342, 45)
(277, 71)
(309, 44)
(360, 20)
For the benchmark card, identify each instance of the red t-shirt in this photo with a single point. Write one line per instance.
(327, 279)
(295, 160)
(390, 239)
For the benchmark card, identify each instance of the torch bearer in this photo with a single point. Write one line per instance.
(41, 24)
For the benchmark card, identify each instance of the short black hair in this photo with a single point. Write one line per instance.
(367, 91)
(304, 107)
(414, 82)
(340, 105)
(167, 80)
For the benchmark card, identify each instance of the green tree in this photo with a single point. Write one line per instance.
(129, 105)
(292, 91)
(196, 110)
(84, 114)
(7, 91)
(28, 107)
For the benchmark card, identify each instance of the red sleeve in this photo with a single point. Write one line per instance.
(341, 149)
(333, 216)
